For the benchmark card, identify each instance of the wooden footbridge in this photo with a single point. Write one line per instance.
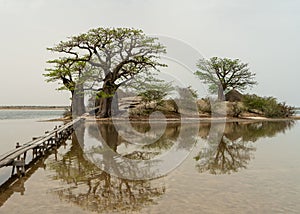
(39, 146)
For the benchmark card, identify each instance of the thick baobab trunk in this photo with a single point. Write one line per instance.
(105, 107)
(221, 96)
(107, 101)
(77, 105)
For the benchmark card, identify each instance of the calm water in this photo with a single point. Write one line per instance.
(22, 125)
(29, 114)
(229, 168)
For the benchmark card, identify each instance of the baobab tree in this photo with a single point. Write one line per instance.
(119, 54)
(223, 74)
(70, 74)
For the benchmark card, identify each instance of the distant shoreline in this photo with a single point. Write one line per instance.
(33, 107)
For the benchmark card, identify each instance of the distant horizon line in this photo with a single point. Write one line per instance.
(33, 106)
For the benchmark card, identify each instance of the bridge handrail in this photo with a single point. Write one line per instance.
(31, 144)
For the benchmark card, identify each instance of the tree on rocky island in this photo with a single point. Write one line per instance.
(69, 73)
(119, 54)
(223, 74)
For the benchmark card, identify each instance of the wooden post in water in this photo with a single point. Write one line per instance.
(18, 146)
(20, 164)
(13, 168)
(24, 156)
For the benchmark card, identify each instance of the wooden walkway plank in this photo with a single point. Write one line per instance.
(55, 136)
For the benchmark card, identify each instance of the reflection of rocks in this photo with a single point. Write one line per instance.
(204, 130)
(234, 150)
(249, 131)
(255, 130)
(112, 137)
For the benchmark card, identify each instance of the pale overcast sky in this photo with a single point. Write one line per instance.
(264, 33)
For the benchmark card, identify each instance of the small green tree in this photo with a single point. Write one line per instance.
(70, 74)
(223, 74)
(154, 91)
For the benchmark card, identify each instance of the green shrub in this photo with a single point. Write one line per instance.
(155, 96)
(268, 106)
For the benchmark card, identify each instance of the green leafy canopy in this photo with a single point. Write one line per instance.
(226, 73)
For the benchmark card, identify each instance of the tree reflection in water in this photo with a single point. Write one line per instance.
(142, 155)
(96, 190)
(235, 149)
